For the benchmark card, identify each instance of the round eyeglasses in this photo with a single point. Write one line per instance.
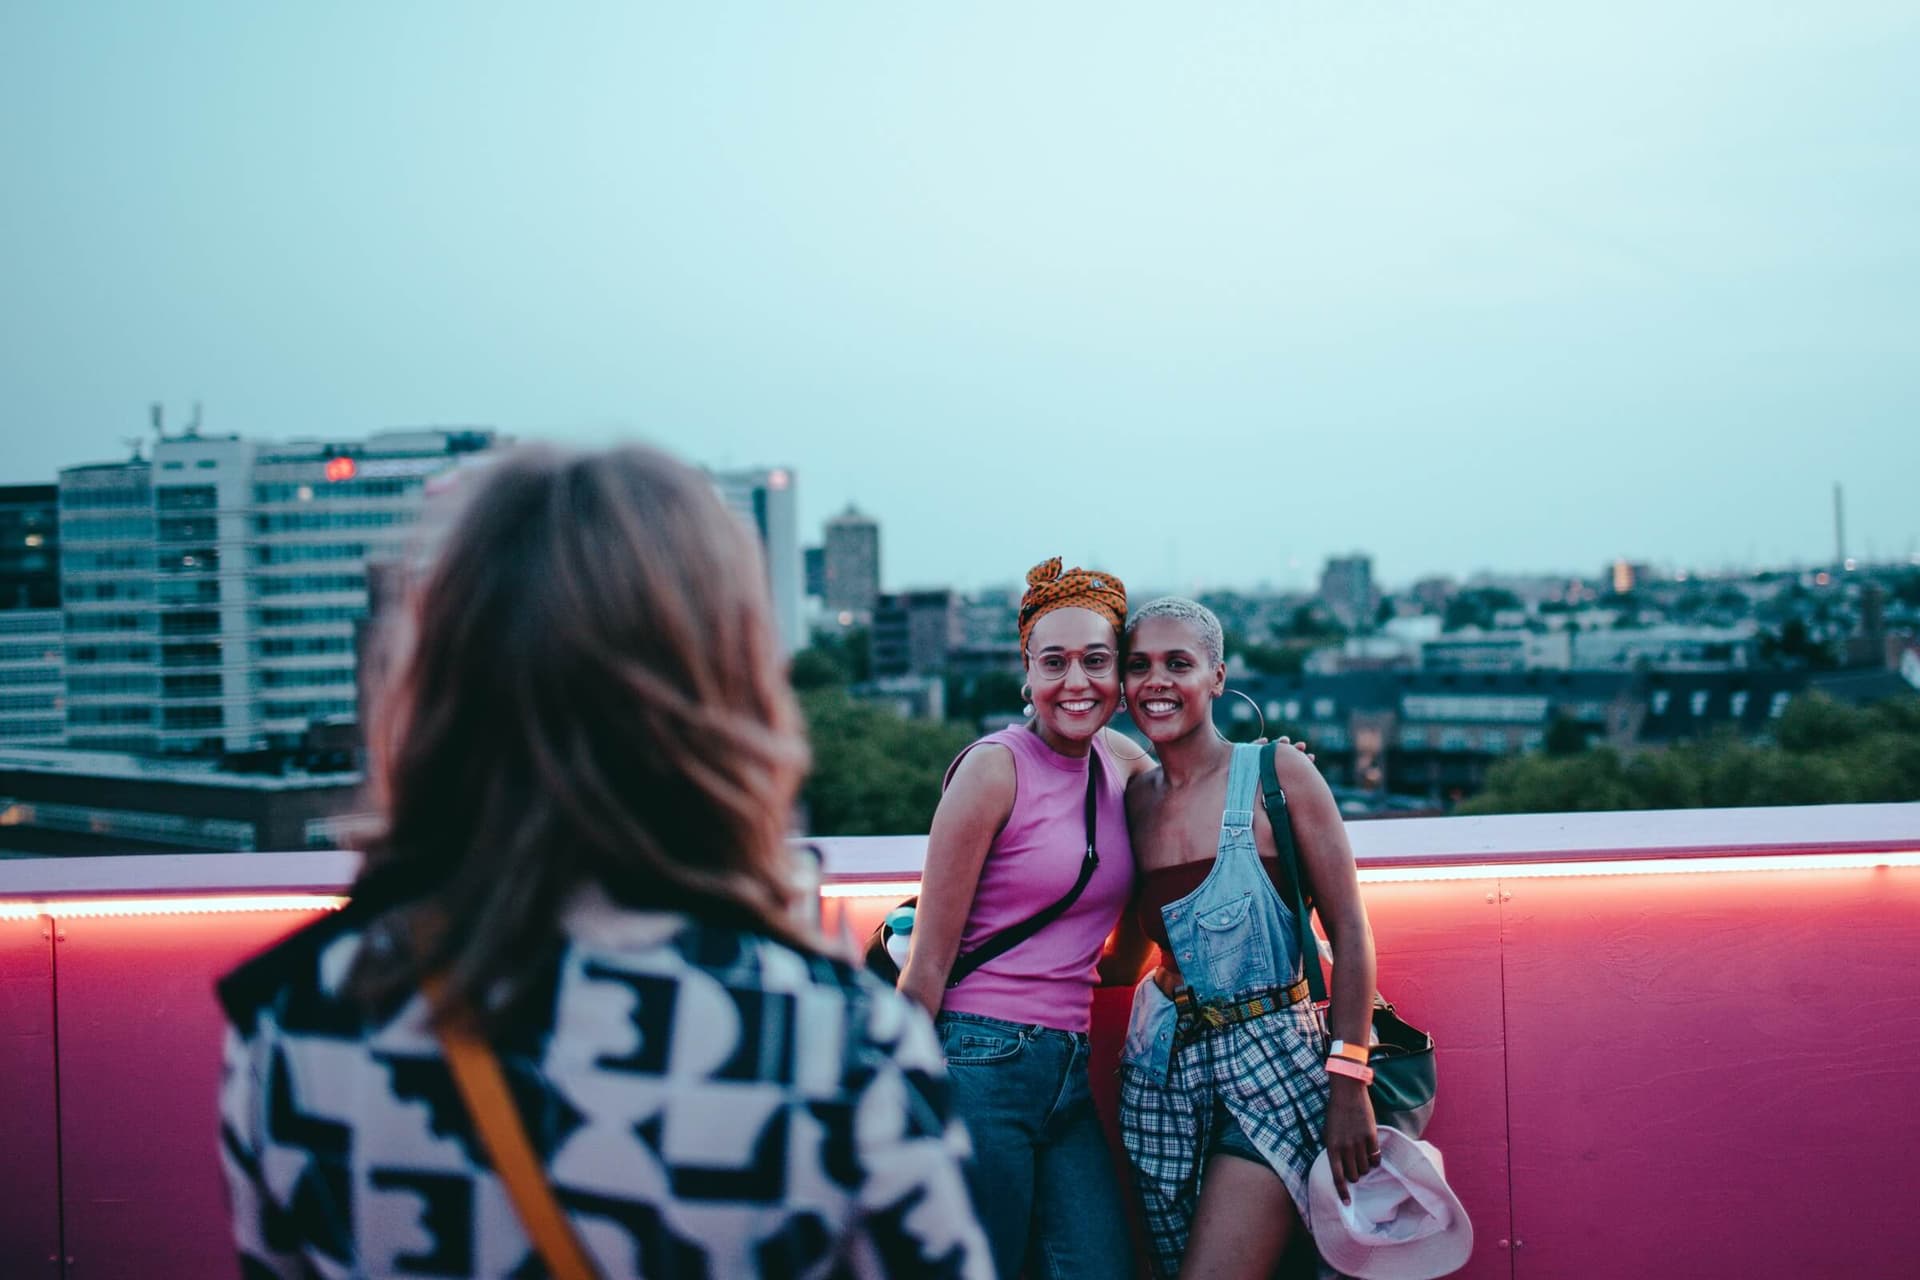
(1095, 664)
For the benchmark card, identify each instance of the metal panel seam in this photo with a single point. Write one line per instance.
(62, 1258)
(1500, 900)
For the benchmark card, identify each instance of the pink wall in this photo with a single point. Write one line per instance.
(1702, 1073)
(139, 1057)
(1713, 1075)
(29, 1133)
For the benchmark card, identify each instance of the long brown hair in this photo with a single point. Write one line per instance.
(592, 692)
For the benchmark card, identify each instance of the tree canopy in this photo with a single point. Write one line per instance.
(1823, 753)
(874, 772)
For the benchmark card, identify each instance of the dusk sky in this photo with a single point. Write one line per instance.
(1199, 293)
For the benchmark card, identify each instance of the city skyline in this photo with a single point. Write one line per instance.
(1300, 576)
(1201, 298)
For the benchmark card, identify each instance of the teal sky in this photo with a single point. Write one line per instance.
(1204, 293)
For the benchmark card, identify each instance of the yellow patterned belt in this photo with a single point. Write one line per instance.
(1197, 1019)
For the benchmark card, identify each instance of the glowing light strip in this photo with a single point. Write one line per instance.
(1532, 870)
(1645, 866)
(81, 907)
(872, 889)
(72, 908)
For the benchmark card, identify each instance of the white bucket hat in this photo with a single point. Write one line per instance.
(1404, 1222)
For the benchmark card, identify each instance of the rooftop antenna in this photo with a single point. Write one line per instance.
(135, 443)
(192, 430)
(157, 414)
(1839, 529)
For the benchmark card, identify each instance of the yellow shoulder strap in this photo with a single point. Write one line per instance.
(497, 1121)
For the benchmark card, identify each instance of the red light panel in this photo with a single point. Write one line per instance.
(339, 469)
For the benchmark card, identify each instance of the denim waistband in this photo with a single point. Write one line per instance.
(1029, 1029)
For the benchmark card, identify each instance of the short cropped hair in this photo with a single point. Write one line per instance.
(1213, 642)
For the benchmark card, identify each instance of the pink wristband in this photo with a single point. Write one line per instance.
(1348, 1067)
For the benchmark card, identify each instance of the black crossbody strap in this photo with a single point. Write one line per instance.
(1276, 802)
(1007, 939)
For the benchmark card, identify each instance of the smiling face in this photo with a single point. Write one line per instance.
(1070, 702)
(1170, 683)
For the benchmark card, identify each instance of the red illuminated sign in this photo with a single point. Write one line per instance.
(339, 469)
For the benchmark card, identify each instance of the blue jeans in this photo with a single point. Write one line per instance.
(1042, 1177)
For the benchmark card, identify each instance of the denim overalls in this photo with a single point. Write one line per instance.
(1233, 939)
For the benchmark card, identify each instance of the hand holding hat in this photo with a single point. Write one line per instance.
(1402, 1220)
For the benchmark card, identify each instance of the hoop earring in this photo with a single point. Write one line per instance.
(1026, 693)
(1256, 708)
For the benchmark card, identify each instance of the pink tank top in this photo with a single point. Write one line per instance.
(1048, 979)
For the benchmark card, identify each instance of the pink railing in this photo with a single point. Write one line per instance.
(1671, 1043)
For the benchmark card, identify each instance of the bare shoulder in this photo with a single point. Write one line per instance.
(1143, 792)
(1293, 770)
(1132, 758)
(1308, 795)
(974, 807)
(983, 780)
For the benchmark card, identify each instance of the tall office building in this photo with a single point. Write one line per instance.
(31, 680)
(211, 594)
(852, 552)
(915, 632)
(814, 559)
(1346, 586)
(1624, 575)
(107, 571)
(321, 511)
(29, 546)
(764, 497)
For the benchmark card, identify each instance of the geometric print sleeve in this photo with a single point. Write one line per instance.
(266, 1248)
(915, 1214)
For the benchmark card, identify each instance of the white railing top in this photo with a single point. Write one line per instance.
(851, 860)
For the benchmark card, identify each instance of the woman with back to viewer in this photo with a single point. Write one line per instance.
(1007, 841)
(585, 768)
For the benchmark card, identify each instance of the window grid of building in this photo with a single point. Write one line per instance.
(170, 647)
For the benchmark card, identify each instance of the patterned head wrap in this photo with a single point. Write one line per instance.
(1048, 588)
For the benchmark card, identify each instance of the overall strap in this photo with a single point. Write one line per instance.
(1275, 799)
(1243, 791)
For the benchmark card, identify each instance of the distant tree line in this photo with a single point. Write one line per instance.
(1822, 752)
(874, 772)
(877, 773)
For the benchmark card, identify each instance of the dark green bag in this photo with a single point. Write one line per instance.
(1403, 1085)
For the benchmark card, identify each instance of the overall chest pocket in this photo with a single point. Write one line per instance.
(1233, 938)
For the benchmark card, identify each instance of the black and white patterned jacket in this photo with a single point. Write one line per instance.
(708, 1103)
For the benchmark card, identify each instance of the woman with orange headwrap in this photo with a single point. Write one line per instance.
(1030, 814)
